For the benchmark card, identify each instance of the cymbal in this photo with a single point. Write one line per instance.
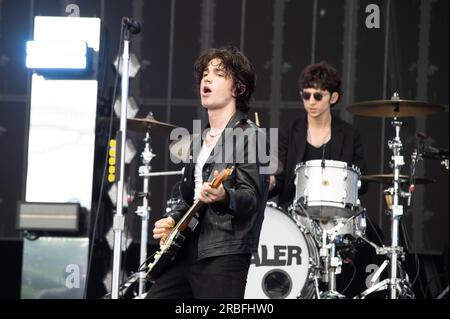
(394, 108)
(389, 179)
(142, 124)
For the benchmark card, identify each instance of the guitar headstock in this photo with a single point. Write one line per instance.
(223, 176)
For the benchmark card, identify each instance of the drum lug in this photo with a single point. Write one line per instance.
(344, 195)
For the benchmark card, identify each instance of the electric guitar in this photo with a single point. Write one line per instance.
(178, 234)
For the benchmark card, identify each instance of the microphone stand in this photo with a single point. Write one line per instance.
(119, 219)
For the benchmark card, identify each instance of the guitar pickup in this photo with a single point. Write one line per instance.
(179, 237)
(193, 223)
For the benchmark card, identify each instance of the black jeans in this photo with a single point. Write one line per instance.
(221, 277)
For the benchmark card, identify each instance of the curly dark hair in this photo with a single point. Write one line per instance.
(237, 65)
(321, 76)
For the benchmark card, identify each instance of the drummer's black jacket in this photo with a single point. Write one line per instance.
(345, 145)
(233, 228)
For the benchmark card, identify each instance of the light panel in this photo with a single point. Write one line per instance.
(56, 55)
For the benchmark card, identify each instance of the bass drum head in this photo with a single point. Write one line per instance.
(281, 268)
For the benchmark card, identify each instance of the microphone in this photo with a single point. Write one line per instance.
(133, 26)
(323, 156)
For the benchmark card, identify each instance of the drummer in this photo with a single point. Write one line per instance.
(316, 134)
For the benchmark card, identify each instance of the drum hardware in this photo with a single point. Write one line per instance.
(343, 226)
(443, 293)
(297, 209)
(395, 285)
(327, 196)
(439, 154)
(395, 108)
(401, 283)
(144, 211)
(316, 286)
(332, 261)
(424, 150)
(389, 178)
(332, 264)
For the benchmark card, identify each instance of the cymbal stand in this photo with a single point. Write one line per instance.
(331, 263)
(397, 286)
(144, 210)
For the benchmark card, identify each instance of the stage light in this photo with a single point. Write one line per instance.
(112, 194)
(132, 107)
(53, 55)
(130, 151)
(134, 65)
(109, 236)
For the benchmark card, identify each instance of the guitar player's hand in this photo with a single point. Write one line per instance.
(162, 229)
(210, 195)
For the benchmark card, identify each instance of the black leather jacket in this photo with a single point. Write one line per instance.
(233, 228)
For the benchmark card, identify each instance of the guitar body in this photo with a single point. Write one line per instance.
(165, 255)
(168, 251)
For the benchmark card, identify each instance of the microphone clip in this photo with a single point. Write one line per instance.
(132, 26)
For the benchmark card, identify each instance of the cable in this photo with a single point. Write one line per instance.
(349, 261)
(428, 285)
(416, 259)
(125, 242)
(374, 230)
(102, 184)
(146, 260)
(407, 242)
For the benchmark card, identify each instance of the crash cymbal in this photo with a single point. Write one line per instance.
(394, 108)
(142, 124)
(389, 179)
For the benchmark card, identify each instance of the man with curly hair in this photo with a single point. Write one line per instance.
(214, 260)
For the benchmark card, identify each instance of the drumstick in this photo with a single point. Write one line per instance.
(256, 119)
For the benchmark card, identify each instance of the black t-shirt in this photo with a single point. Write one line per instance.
(314, 153)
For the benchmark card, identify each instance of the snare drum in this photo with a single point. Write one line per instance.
(286, 260)
(327, 189)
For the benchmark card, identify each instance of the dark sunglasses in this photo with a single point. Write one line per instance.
(317, 96)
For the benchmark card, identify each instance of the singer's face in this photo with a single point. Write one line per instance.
(316, 101)
(216, 86)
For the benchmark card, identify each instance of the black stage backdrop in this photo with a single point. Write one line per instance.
(407, 52)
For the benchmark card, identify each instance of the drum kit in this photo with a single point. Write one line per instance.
(301, 251)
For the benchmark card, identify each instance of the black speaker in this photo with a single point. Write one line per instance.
(10, 268)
